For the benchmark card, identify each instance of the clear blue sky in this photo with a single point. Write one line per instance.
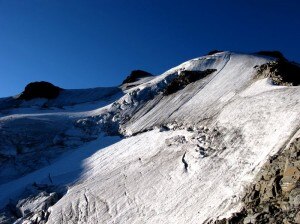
(80, 44)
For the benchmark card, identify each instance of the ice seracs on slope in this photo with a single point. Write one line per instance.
(187, 156)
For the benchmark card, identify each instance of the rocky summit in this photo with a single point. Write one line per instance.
(212, 140)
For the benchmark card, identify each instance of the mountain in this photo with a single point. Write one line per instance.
(213, 140)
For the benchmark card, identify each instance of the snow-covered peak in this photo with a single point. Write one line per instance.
(139, 153)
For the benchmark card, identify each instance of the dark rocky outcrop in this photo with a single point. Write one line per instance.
(185, 78)
(40, 90)
(24, 211)
(136, 75)
(274, 197)
(281, 72)
(274, 54)
(214, 52)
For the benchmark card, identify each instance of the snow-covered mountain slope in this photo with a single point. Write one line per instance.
(34, 132)
(178, 147)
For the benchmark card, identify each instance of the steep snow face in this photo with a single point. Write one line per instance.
(203, 99)
(202, 144)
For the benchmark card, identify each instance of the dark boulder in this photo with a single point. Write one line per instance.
(40, 90)
(136, 75)
(185, 78)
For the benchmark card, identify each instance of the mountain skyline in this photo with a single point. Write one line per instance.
(79, 44)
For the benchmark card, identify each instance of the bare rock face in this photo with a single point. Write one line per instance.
(275, 54)
(184, 78)
(281, 72)
(33, 208)
(135, 75)
(40, 90)
(275, 196)
(214, 52)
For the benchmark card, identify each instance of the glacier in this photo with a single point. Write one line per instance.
(132, 154)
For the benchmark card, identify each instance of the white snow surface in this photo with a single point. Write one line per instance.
(221, 130)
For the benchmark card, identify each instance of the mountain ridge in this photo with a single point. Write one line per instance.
(142, 156)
